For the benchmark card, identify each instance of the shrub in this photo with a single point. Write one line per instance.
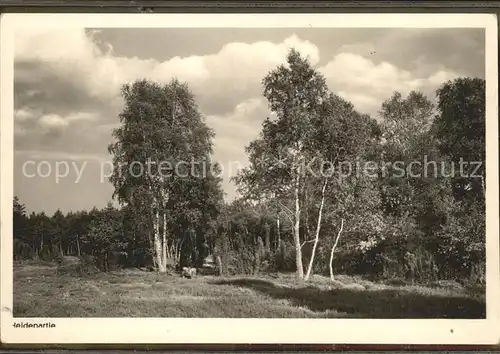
(75, 266)
(420, 265)
(283, 259)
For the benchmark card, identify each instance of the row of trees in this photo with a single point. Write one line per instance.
(326, 189)
(103, 234)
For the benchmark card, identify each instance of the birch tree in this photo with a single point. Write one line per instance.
(159, 148)
(342, 141)
(299, 154)
(294, 93)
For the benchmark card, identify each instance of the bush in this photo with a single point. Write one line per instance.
(87, 265)
(76, 266)
(283, 260)
(477, 274)
(420, 265)
(242, 262)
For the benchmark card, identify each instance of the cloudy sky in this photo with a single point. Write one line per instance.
(67, 89)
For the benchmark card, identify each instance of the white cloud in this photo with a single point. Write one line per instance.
(53, 121)
(23, 114)
(54, 45)
(236, 70)
(233, 132)
(75, 56)
(360, 48)
(81, 117)
(59, 155)
(442, 76)
(366, 84)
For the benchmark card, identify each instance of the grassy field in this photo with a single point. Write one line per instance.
(39, 292)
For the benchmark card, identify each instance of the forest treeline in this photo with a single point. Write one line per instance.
(307, 202)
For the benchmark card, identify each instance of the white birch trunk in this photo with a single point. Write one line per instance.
(296, 229)
(219, 265)
(164, 243)
(78, 245)
(153, 251)
(333, 249)
(158, 244)
(318, 228)
(278, 231)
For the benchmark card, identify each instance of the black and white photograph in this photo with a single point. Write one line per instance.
(172, 172)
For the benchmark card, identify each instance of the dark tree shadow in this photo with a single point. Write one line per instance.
(370, 303)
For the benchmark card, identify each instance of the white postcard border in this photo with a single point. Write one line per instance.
(215, 330)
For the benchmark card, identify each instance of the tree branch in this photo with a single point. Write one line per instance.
(333, 248)
(285, 207)
(303, 243)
